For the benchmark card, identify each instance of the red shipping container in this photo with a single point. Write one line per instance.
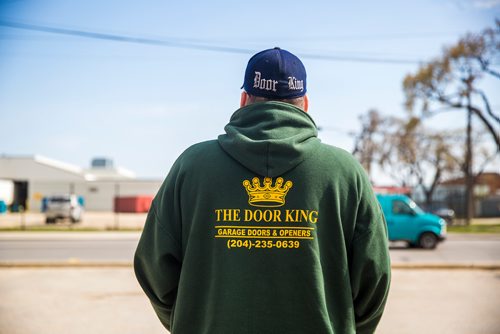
(135, 204)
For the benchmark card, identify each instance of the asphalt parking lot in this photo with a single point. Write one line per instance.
(109, 300)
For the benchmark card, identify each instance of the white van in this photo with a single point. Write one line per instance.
(63, 207)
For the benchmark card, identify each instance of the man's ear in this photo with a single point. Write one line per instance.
(243, 99)
(306, 103)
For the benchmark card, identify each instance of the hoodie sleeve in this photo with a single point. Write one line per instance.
(157, 261)
(370, 268)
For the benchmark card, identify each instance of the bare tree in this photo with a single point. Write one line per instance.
(419, 157)
(452, 82)
(408, 152)
(367, 144)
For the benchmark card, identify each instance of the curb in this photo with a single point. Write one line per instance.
(446, 266)
(75, 263)
(66, 264)
(125, 235)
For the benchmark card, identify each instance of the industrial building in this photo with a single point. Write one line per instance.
(26, 180)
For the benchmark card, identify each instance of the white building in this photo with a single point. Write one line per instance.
(35, 177)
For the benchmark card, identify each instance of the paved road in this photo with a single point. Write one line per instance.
(458, 248)
(67, 246)
(120, 246)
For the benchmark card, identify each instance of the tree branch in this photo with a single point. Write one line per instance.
(487, 104)
(447, 102)
(442, 110)
(490, 127)
(493, 73)
(485, 68)
(479, 114)
(437, 179)
(485, 163)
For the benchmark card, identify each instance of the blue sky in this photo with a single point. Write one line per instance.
(72, 98)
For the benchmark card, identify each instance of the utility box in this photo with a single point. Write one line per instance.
(133, 204)
(3, 207)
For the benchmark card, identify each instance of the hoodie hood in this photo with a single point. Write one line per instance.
(270, 138)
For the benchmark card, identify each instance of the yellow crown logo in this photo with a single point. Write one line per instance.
(267, 195)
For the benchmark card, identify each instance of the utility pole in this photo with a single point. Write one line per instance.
(117, 216)
(469, 177)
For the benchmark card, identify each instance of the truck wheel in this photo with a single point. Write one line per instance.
(50, 221)
(428, 240)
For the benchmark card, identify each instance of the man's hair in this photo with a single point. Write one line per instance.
(298, 101)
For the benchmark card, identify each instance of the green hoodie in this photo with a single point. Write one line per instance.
(265, 230)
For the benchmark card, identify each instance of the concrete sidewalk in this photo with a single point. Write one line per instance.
(106, 300)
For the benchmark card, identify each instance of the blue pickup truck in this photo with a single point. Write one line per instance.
(407, 222)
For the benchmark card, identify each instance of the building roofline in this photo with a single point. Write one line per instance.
(48, 162)
(117, 173)
(58, 164)
(461, 180)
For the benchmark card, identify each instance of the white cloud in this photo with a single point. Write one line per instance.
(479, 4)
(485, 4)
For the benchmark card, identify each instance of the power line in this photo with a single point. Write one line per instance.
(388, 36)
(189, 45)
(119, 38)
(336, 129)
(339, 53)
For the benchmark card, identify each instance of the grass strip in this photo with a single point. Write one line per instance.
(495, 229)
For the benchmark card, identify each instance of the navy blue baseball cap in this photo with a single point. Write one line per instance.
(275, 74)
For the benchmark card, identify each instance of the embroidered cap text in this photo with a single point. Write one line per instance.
(263, 83)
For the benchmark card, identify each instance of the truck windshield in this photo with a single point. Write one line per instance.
(415, 207)
(406, 207)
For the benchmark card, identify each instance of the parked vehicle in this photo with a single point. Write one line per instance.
(445, 213)
(407, 222)
(441, 211)
(63, 207)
